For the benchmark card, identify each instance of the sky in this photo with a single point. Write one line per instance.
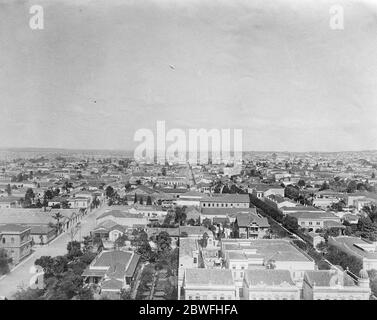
(101, 70)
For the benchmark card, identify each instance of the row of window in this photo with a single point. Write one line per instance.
(223, 205)
(318, 223)
(11, 240)
(205, 297)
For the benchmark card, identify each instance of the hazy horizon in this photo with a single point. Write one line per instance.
(99, 71)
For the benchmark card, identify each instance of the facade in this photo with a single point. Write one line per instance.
(224, 213)
(190, 198)
(240, 255)
(208, 284)
(269, 284)
(16, 240)
(335, 284)
(251, 226)
(317, 220)
(226, 201)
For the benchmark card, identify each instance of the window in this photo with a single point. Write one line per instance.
(190, 297)
(204, 204)
(318, 223)
(3, 240)
(310, 223)
(197, 297)
(195, 260)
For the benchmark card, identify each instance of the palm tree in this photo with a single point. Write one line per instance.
(57, 226)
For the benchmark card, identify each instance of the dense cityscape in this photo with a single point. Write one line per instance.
(92, 225)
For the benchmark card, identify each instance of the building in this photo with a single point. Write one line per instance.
(264, 190)
(188, 259)
(363, 250)
(109, 230)
(251, 225)
(112, 270)
(16, 240)
(226, 201)
(190, 198)
(123, 218)
(9, 202)
(269, 284)
(317, 220)
(208, 284)
(240, 255)
(335, 284)
(278, 201)
(224, 213)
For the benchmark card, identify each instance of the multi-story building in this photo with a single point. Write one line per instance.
(208, 284)
(251, 225)
(188, 259)
(269, 284)
(226, 201)
(16, 240)
(335, 284)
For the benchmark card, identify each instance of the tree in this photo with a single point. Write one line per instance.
(290, 223)
(141, 200)
(29, 197)
(291, 192)
(57, 226)
(149, 201)
(180, 215)
(301, 183)
(5, 260)
(46, 262)
(29, 294)
(48, 195)
(371, 212)
(324, 186)
(204, 240)
(8, 190)
(352, 186)
(74, 250)
(163, 241)
(109, 192)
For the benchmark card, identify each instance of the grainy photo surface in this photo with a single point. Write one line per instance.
(188, 150)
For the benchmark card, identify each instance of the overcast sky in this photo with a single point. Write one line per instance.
(100, 70)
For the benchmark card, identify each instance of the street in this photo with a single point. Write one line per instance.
(20, 275)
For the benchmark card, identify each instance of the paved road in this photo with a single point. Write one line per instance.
(20, 275)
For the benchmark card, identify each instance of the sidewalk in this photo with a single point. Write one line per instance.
(21, 274)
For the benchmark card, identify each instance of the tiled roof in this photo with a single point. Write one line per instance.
(13, 228)
(228, 198)
(268, 277)
(209, 277)
(226, 211)
(328, 278)
(246, 219)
